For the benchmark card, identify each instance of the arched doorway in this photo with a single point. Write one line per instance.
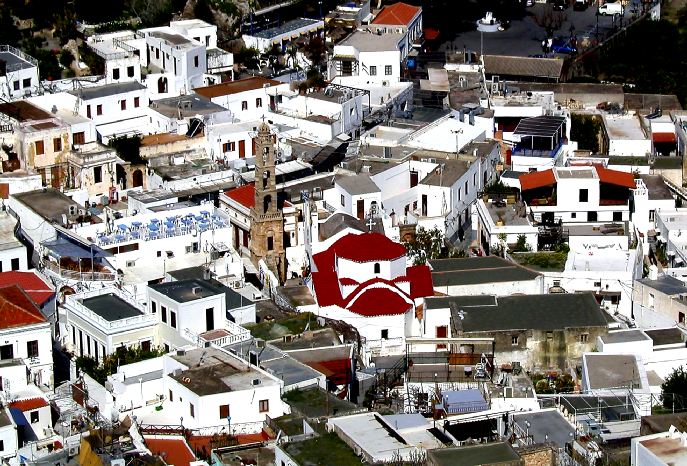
(162, 85)
(137, 178)
(121, 176)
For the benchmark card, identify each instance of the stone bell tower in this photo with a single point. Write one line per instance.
(267, 220)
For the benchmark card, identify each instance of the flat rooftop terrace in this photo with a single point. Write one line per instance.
(110, 307)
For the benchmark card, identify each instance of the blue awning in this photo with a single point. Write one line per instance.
(62, 247)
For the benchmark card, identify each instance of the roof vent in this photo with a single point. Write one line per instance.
(196, 290)
(256, 381)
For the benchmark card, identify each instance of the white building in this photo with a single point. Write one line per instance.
(26, 335)
(663, 449)
(210, 387)
(371, 57)
(651, 196)
(364, 281)
(578, 195)
(9, 440)
(624, 136)
(400, 18)
(670, 225)
(98, 322)
(116, 109)
(247, 99)
(280, 36)
(122, 57)
(18, 74)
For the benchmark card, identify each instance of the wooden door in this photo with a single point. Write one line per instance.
(242, 148)
(361, 209)
(442, 332)
(55, 181)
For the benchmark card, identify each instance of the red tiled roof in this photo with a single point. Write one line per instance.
(337, 371)
(31, 283)
(235, 87)
(366, 247)
(173, 450)
(663, 137)
(537, 179)
(348, 281)
(420, 281)
(17, 309)
(29, 404)
(327, 288)
(244, 195)
(398, 14)
(378, 302)
(616, 177)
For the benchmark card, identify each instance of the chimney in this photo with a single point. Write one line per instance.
(653, 272)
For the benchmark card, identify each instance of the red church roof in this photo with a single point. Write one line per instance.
(244, 195)
(664, 137)
(366, 247)
(17, 309)
(537, 179)
(398, 14)
(420, 277)
(29, 404)
(616, 177)
(379, 301)
(31, 283)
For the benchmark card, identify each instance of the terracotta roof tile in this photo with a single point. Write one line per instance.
(537, 179)
(663, 137)
(29, 404)
(616, 177)
(367, 247)
(420, 277)
(17, 309)
(31, 283)
(235, 87)
(173, 450)
(398, 14)
(244, 195)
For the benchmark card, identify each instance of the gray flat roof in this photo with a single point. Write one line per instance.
(658, 190)
(49, 203)
(624, 336)
(290, 370)
(365, 41)
(546, 423)
(13, 60)
(111, 307)
(477, 270)
(286, 28)
(474, 455)
(666, 336)
(611, 370)
(447, 174)
(172, 38)
(186, 106)
(540, 312)
(665, 284)
(183, 291)
(357, 184)
(96, 92)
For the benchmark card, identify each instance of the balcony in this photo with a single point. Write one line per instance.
(75, 304)
(79, 275)
(219, 60)
(230, 334)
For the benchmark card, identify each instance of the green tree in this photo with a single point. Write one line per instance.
(247, 57)
(430, 245)
(111, 363)
(66, 58)
(674, 390)
(585, 130)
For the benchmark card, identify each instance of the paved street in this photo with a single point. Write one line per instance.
(524, 37)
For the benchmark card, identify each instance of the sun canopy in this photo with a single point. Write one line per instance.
(64, 248)
(542, 126)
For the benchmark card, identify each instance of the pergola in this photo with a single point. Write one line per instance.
(541, 128)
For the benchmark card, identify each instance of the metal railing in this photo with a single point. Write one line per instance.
(77, 275)
(238, 334)
(15, 51)
(75, 305)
